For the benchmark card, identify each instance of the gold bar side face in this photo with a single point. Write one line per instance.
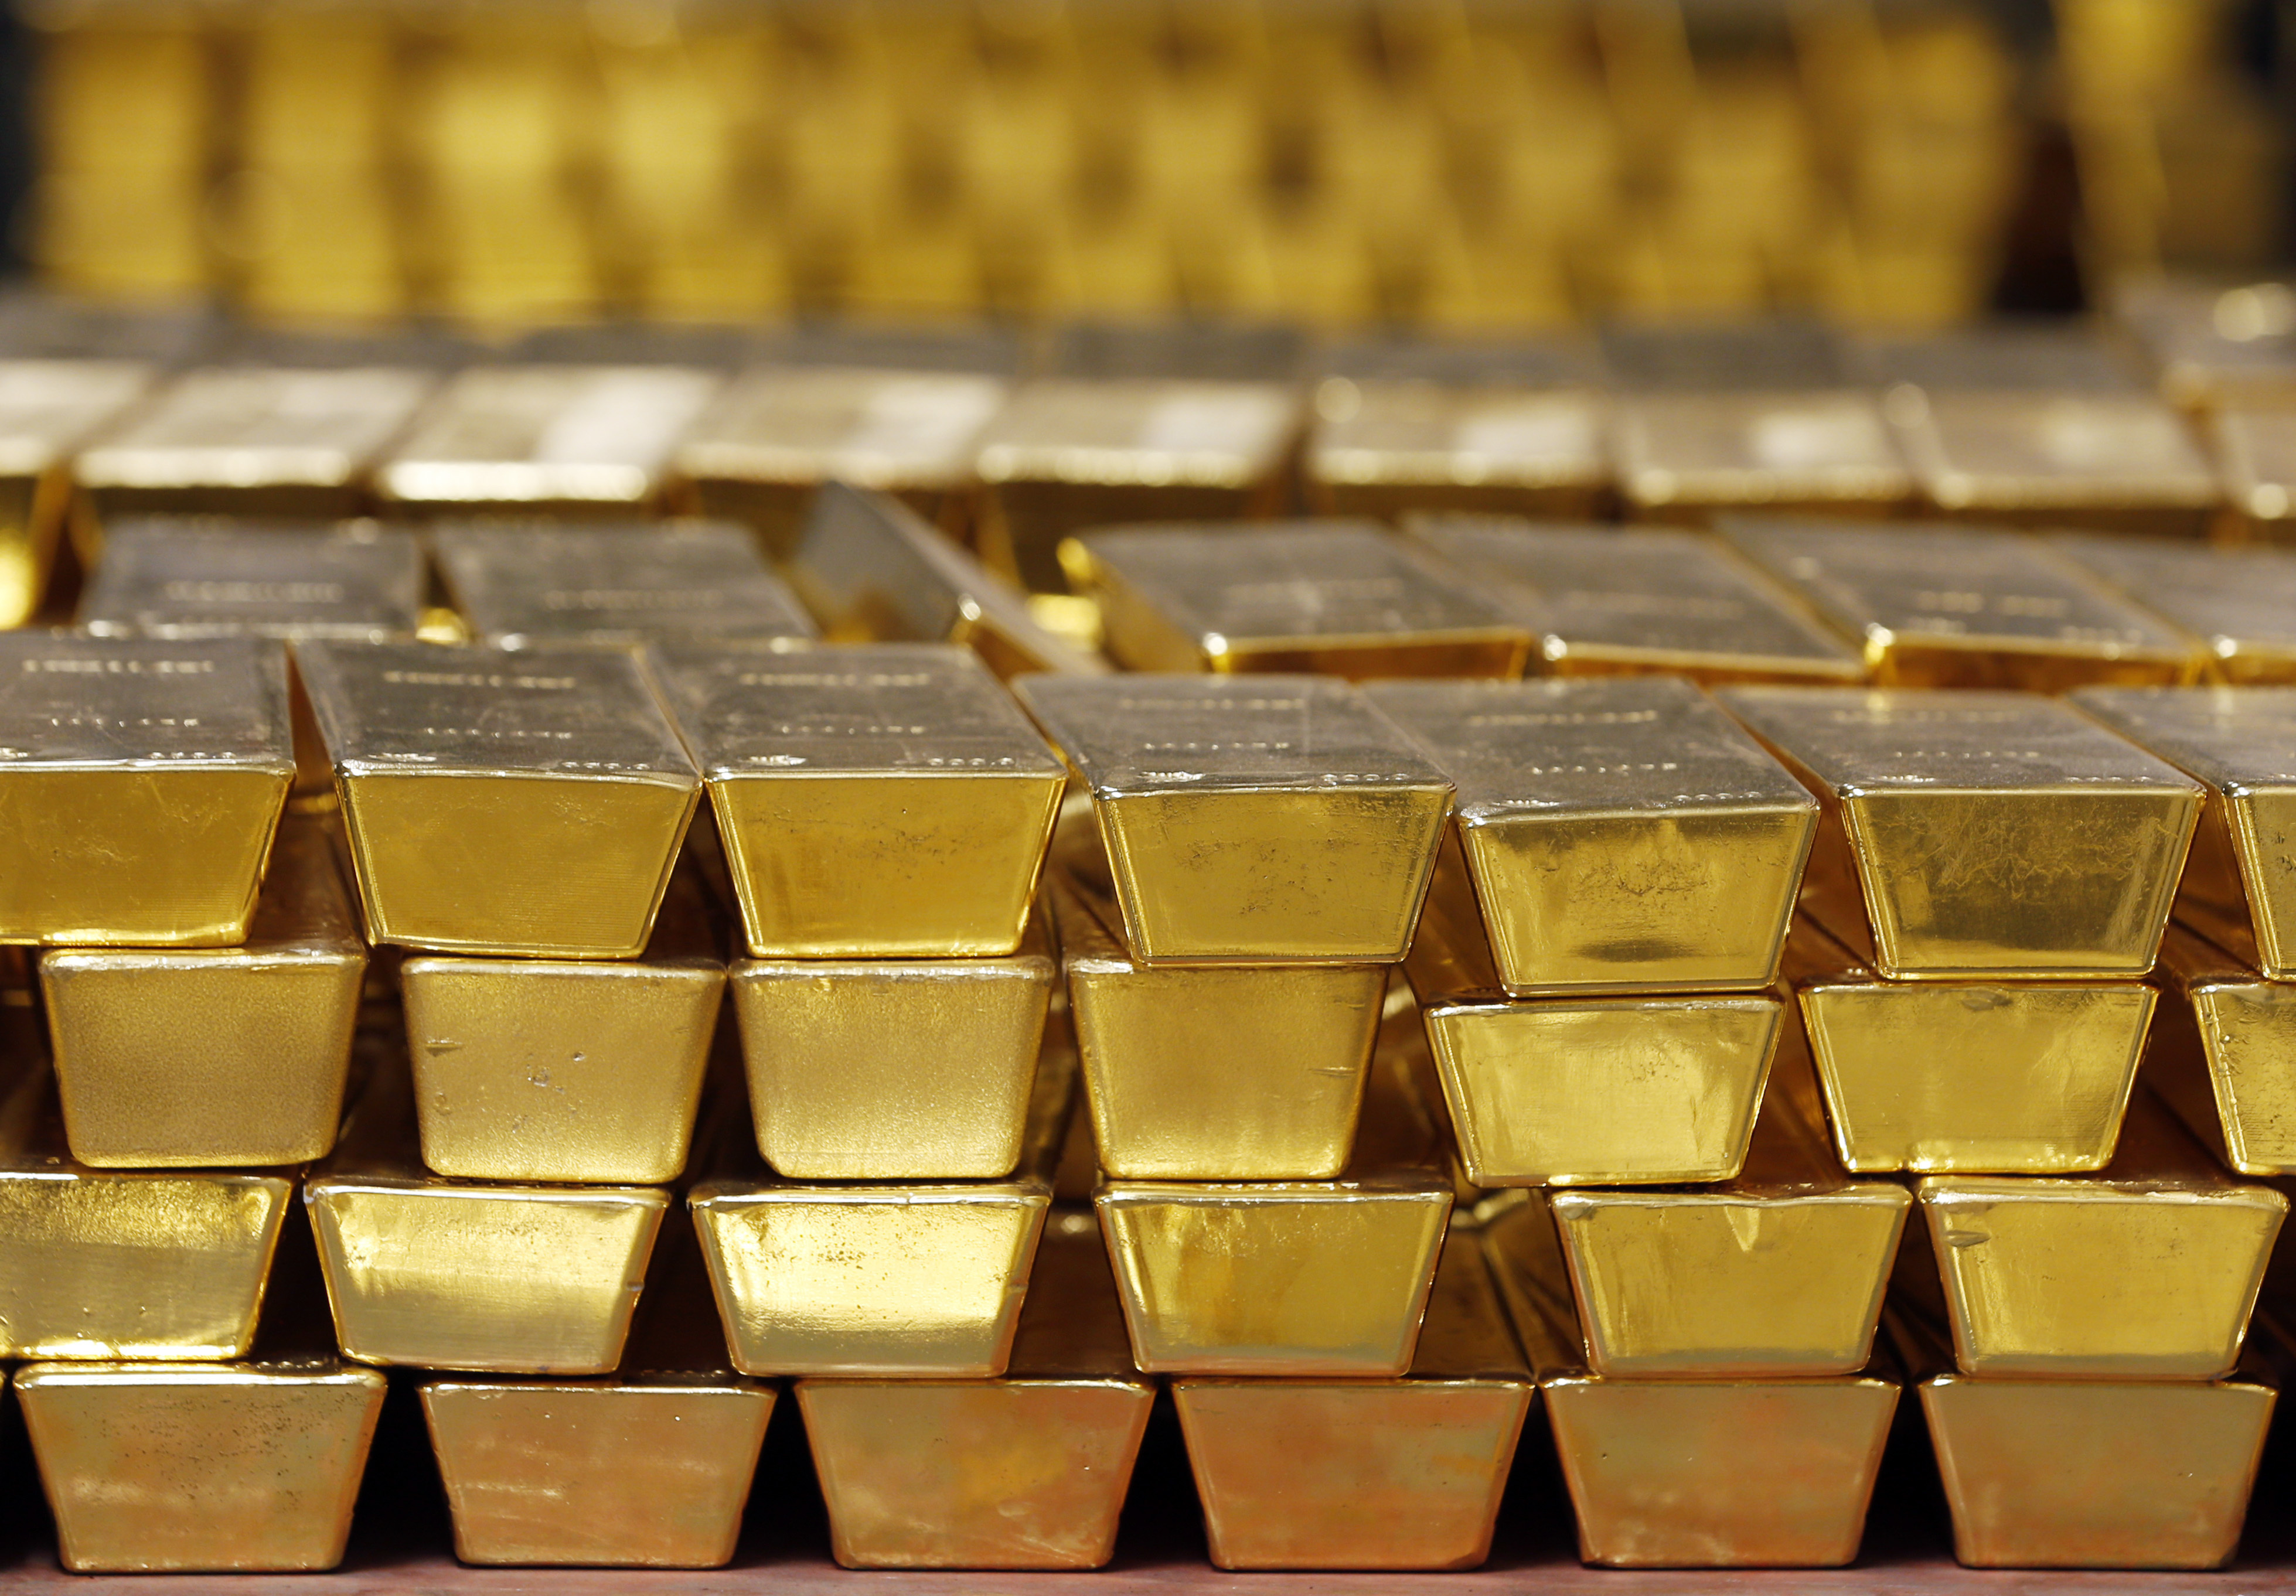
(1684, 454)
(615, 584)
(231, 1467)
(2224, 1056)
(884, 801)
(527, 803)
(2120, 462)
(1945, 811)
(47, 407)
(1329, 598)
(148, 779)
(188, 577)
(1622, 834)
(2258, 451)
(1274, 819)
(1619, 600)
(1380, 448)
(2239, 602)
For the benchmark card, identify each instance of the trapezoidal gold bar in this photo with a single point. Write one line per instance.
(1685, 457)
(497, 802)
(47, 408)
(193, 576)
(201, 1057)
(1028, 1471)
(1260, 820)
(2224, 1055)
(884, 801)
(1339, 598)
(2240, 603)
(1972, 836)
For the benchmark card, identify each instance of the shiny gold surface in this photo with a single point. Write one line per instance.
(196, 1056)
(195, 577)
(525, 803)
(2240, 603)
(1025, 1471)
(1383, 445)
(2223, 1055)
(2258, 451)
(47, 407)
(882, 801)
(1269, 820)
(1622, 835)
(1688, 454)
(1973, 835)
(240, 1468)
(1368, 1474)
(1331, 598)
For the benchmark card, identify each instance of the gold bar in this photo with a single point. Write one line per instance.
(1622, 835)
(2240, 603)
(2257, 454)
(2212, 346)
(143, 783)
(47, 408)
(194, 1057)
(503, 803)
(1625, 601)
(1933, 605)
(2224, 1055)
(1369, 1474)
(1685, 457)
(181, 578)
(619, 584)
(1259, 821)
(884, 801)
(1330, 598)
(1980, 837)
(1025, 1471)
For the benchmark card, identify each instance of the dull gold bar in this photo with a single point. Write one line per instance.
(2240, 603)
(195, 578)
(2257, 452)
(1686, 456)
(2214, 347)
(2117, 463)
(48, 407)
(2223, 1055)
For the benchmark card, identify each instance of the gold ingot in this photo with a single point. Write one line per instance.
(195, 577)
(1971, 1077)
(501, 1279)
(2148, 1272)
(1684, 456)
(1025, 1471)
(884, 801)
(47, 407)
(2224, 1055)
(2212, 346)
(201, 1468)
(1933, 605)
(1980, 836)
(1622, 835)
(1627, 601)
(2256, 448)
(1261, 821)
(527, 803)
(617, 583)
(145, 781)
(1369, 1474)
(2239, 602)
(875, 572)
(197, 1057)
(572, 1070)
(1330, 598)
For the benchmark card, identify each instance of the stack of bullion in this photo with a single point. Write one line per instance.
(2008, 852)
(2240, 602)
(200, 1012)
(1257, 854)
(871, 1225)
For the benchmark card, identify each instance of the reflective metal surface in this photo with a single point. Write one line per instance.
(194, 577)
(2223, 1055)
(2257, 449)
(1383, 446)
(46, 408)
(2240, 602)
(1688, 454)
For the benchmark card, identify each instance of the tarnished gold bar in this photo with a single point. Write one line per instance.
(884, 801)
(1622, 835)
(1685, 457)
(200, 1057)
(47, 408)
(1980, 836)
(2223, 1055)
(142, 782)
(2146, 1271)
(195, 577)
(1626, 600)
(2256, 451)
(499, 802)
(1333, 598)
(1369, 1474)
(618, 583)
(2240, 603)
(1259, 821)
(1025, 1471)
(1932, 605)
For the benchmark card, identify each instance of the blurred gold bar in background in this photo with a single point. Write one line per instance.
(2240, 603)
(2224, 1055)
(2214, 347)
(2258, 451)
(48, 407)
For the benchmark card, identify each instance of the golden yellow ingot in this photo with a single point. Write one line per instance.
(2210, 345)
(2223, 1055)
(192, 1468)
(2257, 449)
(2240, 603)
(199, 1056)
(144, 783)
(197, 577)
(1338, 598)
(1622, 835)
(1683, 457)
(1998, 1077)
(527, 803)
(1369, 1474)
(882, 801)
(1024, 1471)
(47, 406)
(1252, 821)
(1980, 835)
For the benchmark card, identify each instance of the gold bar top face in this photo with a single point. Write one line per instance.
(1744, 450)
(2126, 459)
(2240, 602)
(1622, 834)
(48, 406)
(1485, 441)
(882, 801)
(1987, 833)
(513, 803)
(242, 428)
(140, 781)
(619, 584)
(1336, 598)
(880, 428)
(189, 578)
(1602, 600)
(1144, 433)
(1251, 820)
(1938, 606)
